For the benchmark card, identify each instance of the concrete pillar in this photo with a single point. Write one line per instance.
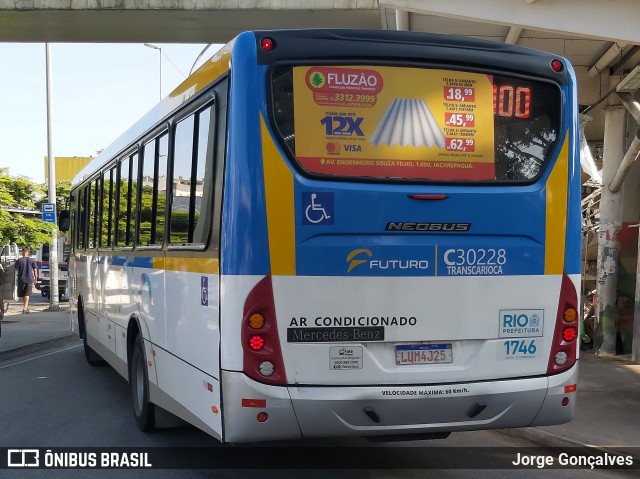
(635, 347)
(610, 225)
(402, 21)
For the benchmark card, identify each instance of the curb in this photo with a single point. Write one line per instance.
(69, 338)
(552, 440)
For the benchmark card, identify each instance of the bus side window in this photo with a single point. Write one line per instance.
(148, 163)
(82, 218)
(94, 213)
(182, 160)
(122, 202)
(153, 191)
(204, 172)
(160, 202)
(107, 212)
(193, 177)
(126, 200)
(133, 201)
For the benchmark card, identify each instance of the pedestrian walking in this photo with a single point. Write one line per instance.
(27, 272)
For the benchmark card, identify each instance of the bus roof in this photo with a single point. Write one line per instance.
(306, 45)
(213, 68)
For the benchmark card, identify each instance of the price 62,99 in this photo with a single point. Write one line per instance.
(460, 144)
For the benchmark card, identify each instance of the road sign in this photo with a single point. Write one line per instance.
(49, 212)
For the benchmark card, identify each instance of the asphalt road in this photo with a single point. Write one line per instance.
(55, 399)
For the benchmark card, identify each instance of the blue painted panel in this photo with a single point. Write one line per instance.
(573, 245)
(493, 222)
(244, 241)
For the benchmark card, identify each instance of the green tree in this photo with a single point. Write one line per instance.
(20, 193)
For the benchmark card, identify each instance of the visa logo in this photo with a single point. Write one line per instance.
(353, 148)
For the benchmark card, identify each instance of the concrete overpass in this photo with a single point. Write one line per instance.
(172, 21)
(601, 38)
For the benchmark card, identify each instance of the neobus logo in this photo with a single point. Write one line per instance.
(443, 227)
(361, 256)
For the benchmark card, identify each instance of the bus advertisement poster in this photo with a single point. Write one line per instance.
(394, 122)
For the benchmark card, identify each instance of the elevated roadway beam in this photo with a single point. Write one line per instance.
(588, 18)
(177, 21)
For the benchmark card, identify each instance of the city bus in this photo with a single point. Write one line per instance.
(329, 233)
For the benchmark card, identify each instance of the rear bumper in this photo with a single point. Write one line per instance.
(305, 411)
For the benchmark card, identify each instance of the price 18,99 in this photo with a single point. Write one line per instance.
(460, 144)
(455, 93)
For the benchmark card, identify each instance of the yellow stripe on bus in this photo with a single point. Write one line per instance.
(190, 265)
(208, 72)
(556, 226)
(278, 186)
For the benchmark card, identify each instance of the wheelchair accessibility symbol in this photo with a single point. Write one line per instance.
(318, 208)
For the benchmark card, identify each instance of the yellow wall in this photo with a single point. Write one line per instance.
(67, 167)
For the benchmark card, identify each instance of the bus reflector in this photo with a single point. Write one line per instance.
(571, 388)
(565, 401)
(563, 353)
(259, 349)
(254, 403)
(262, 417)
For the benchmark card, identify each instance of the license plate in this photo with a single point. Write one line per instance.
(424, 353)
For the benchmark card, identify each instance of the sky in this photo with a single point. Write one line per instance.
(98, 91)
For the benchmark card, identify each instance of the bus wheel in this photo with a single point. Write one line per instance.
(93, 358)
(143, 410)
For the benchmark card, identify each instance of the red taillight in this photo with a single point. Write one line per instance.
(557, 66)
(569, 334)
(256, 343)
(267, 44)
(262, 417)
(564, 347)
(262, 356)
(415, 196)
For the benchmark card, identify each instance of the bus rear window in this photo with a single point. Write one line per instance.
(399, 123)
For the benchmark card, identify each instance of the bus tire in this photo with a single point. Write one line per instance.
(143, 410)
(92, 357)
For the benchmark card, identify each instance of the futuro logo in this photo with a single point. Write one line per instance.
(353, 262)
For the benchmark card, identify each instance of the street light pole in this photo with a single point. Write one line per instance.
(156, 47)
(54, 304)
